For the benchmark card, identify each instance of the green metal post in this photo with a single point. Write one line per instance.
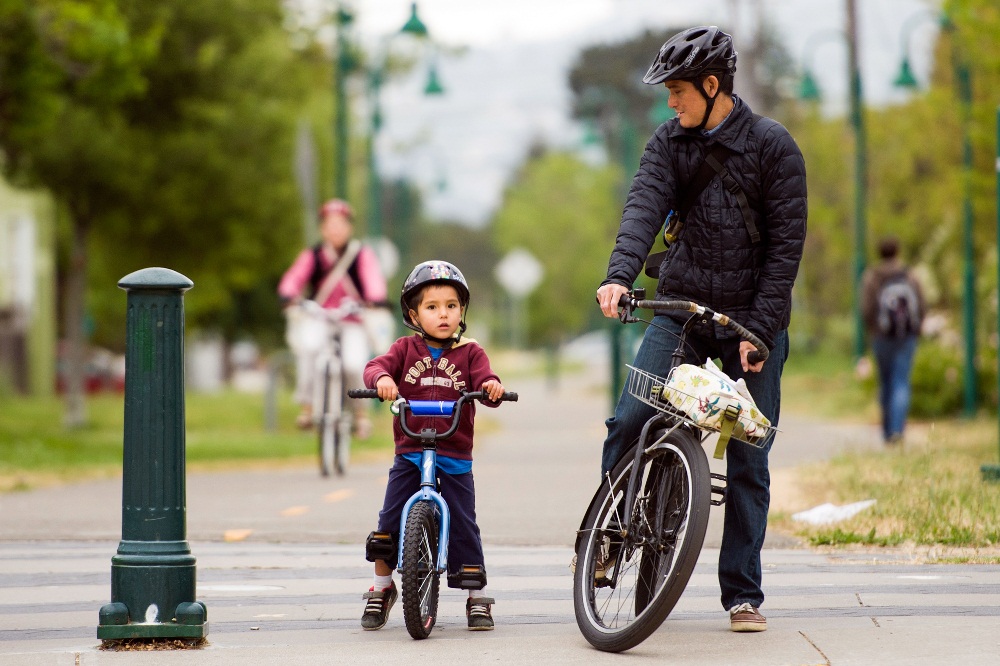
(341, 63)
(153, 573)
(992, 472)
(968, 282)
(374, 184)
(860, 177)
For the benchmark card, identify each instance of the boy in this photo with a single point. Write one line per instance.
(436, 364)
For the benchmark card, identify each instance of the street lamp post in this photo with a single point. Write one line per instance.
(416, 28)
(963, 83)
(860, 175)
(341, 66)
(809, 91)
(595, 98)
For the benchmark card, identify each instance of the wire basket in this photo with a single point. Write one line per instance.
(698, 411)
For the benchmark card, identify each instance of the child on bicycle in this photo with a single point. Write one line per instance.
(435, 364)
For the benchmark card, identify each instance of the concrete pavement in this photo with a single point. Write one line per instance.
(281, 566)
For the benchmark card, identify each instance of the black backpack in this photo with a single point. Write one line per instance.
(898, 314)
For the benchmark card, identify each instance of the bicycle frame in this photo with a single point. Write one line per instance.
(428, 468)
(428, 492)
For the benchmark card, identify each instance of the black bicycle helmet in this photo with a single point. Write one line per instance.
(693, 53)
(433, 272)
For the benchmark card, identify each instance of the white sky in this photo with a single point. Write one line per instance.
(509, 87)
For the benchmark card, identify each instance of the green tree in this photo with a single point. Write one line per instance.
(164, 131)
(566, 214)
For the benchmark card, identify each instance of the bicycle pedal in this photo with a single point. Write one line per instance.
(719, 490)
(380, 546)
(468, 577)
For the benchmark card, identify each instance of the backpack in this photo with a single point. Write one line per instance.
(898, 314)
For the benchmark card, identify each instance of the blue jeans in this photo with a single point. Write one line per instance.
(748, 494)
(894, 357)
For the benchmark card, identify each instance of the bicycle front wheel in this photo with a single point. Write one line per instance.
(421, 579)
(626, 583)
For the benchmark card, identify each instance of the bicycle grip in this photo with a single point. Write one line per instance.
(508, 396)
(362, 393)
(755, 357)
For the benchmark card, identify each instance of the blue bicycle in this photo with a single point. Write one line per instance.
(425, 524)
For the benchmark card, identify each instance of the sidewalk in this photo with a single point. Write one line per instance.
(281, 566)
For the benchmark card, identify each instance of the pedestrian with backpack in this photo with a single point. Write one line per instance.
(893, 308)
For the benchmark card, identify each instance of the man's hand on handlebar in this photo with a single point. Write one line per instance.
(493, 389)
(608, 296)
(387, 389)
(746, 348)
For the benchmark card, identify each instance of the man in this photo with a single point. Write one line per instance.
(893, 308)
(737, 251)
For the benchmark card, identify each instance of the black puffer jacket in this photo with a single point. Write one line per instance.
(714, 262)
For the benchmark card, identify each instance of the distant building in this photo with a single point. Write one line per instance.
(27, 292)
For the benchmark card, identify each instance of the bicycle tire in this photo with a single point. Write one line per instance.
(342, 445)
(656, 559)
(421, 579)
(326, 428)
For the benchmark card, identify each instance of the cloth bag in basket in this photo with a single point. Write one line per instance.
(704, 393)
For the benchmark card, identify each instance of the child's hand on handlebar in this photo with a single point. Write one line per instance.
(493, 389)
(387, 389)
(746, 348)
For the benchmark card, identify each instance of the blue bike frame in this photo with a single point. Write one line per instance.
(428, 482)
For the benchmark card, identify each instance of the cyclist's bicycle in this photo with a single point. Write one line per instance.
(331, 418)
(424, 525)
(643, 531)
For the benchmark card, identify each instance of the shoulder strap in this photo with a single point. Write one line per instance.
(701, 178)
(336, 274)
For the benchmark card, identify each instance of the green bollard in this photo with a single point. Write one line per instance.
(153, 574)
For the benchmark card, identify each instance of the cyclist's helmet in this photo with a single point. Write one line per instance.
(433, 272)
(692, 54)
(336, 206)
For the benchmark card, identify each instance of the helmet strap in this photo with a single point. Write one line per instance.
(709, 102)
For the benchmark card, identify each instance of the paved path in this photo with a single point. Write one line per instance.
(285, 587)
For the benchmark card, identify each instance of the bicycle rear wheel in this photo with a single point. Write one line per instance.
(326, 427)
(625, 585)
(421, 579)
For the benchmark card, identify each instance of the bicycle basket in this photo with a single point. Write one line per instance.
(704, 399)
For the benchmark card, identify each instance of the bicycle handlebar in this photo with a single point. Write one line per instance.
(629, 303)
(443, 408)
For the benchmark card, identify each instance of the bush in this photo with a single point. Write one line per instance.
(936, 380)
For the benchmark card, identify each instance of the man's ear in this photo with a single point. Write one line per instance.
(710, 84)
(413, 316)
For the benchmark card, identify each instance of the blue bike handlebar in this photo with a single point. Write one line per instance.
(442, 408)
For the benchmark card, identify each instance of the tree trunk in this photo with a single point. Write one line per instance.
(75, 356)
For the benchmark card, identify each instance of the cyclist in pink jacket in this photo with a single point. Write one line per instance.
(319, 274)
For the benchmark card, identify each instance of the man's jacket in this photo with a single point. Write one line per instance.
(464, 367)
(714, 262)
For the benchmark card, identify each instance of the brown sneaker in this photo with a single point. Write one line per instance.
(746, 618)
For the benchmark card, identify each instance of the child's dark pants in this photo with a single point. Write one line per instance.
(459, 491)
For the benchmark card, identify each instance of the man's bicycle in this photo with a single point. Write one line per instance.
(331, 418)
(644, 529)
(424, 526)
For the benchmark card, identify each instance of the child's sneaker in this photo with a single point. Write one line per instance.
(377, 609)
(477, 610)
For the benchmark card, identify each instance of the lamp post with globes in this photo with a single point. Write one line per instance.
(809, 91)
(963, 82)
(413, 27)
